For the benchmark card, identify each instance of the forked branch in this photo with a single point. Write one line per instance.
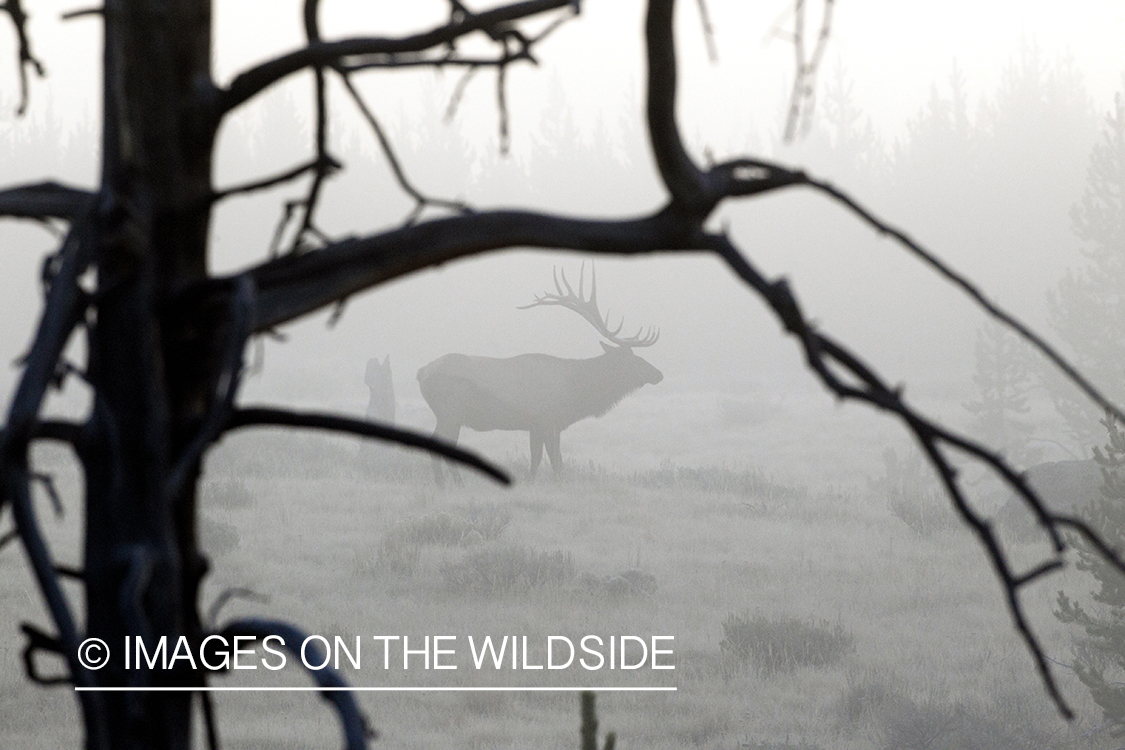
(331, 54)
(824, 355)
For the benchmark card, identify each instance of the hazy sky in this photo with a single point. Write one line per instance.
(893, 51)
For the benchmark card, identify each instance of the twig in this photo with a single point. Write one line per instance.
(459, 92)
(209, 723)
(48, 484)
(38, 641)
(420, 199)
(227, 595)
(264, 416)
(502, 108)
(14, 9)
(255, 80)
(802, 97)
(708, 31)
(314, 165)
(974, 294)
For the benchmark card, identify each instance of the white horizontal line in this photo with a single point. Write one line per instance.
(381, 689)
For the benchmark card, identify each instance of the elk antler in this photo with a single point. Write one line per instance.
(588, 309)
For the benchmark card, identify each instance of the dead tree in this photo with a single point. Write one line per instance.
(165, 337)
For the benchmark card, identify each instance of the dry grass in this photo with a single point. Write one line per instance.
(608, 555)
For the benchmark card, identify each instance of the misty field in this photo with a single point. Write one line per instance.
(802, 617)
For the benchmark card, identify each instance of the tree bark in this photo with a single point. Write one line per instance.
(153, 374)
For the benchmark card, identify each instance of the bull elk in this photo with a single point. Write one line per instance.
(538, 393)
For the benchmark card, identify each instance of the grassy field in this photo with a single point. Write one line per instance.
(802, 617)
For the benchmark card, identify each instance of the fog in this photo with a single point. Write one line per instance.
(578, 147)
(735, 495)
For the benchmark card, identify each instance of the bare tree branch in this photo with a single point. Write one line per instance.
(451, 58)
(14, 9)
(803, 96)
(47, 482)
(420, 200)
(502, 105)
(500, 29)
(263, 416)
(356, 730)
(63, 310)
(976, 295)
(97, 11)
(61, 431)
(315, 165)
(295, 285)
(61, 313)
(459, 92)
(821, 352)
(257, 79)
(708, 31)
(320, 136)
(39, 642)
(43, 200)
(209, 723)
(8, 536)
(16, 490)
(679, 173)
(227, 595)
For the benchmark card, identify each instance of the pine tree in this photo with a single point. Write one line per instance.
(844, 141)
(1003, 379)
(1087, 308)
(1100, 653)
(941, 143)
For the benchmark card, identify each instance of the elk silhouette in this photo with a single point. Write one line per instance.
(539, 393)
(380, 456)
(381, 405)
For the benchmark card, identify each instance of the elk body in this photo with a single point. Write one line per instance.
(537, 393)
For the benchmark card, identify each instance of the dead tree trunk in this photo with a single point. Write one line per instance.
(153, 373)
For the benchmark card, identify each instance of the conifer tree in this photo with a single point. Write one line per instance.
(1003, 378)
(1087, 308)
(1100, 653)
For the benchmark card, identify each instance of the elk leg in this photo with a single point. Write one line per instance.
(536, 451)
(449, 432)
(554, 452)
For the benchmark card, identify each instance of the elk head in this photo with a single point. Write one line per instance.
(587, 307)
